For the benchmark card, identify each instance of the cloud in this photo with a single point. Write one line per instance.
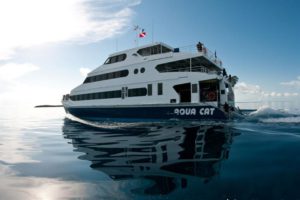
(14, 91)
(36, 22)
(245, 88)
(250, 92)
(12, 71)
(247, 92)
(293, 83)
(84, 71)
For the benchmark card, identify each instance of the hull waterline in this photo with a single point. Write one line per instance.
(150, 112)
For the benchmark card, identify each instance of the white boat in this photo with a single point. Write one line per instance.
(155, 81)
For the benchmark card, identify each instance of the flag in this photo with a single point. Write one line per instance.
(142, 34)
(136, 27)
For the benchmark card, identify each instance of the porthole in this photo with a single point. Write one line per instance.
(135, 71)
(142, 70)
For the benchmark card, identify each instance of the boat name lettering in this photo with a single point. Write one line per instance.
(206, 111)
(192, 111)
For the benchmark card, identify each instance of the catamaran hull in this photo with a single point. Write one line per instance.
(148, 112)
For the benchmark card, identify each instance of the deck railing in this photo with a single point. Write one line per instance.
(212, 56)
(190, 68)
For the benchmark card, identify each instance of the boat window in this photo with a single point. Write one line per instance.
(157, 49)
(87, 80)
(98, 95)
(107, 76)
(107, 60)
(149, 87)
(136, 92)
(121, 57)
(194, 88)
(159, 88)
(197, 64)
(124, 92)
(142, 70)
(176, 66)
(114, 59)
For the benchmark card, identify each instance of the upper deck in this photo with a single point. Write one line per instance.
(192, 58)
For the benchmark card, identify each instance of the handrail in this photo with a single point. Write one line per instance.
(188, 68)
(208, 53)
(202, 69)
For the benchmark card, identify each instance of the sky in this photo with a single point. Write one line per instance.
(48, 46)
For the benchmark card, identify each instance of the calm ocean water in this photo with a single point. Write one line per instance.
(44, 155)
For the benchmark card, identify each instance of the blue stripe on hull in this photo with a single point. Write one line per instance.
(161, 112)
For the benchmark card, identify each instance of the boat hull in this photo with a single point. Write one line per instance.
(189, 112)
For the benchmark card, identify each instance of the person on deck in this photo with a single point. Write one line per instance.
(200, 47)
(226, 107)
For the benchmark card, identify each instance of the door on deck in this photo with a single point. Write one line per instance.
(184, 92)
(209, 90)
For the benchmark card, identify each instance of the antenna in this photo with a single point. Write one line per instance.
(152, 34)
(136, 28)
(116, 44)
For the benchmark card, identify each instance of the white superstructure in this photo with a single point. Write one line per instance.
(155, 75)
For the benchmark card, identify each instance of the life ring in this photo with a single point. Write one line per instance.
(211, 96)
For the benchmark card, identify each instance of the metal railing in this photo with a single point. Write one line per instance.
(201, 69)
(204, 50)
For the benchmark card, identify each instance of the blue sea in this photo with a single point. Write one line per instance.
(46, 155)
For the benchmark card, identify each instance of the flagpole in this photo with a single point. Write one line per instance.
(137, 38)
(140, 33)
(136, 29)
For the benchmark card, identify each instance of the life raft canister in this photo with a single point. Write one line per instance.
(211, 96)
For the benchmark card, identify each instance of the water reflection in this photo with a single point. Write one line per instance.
(166, 155)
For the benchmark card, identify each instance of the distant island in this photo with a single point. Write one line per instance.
(47, 106)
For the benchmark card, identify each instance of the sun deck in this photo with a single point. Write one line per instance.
(197, 59)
